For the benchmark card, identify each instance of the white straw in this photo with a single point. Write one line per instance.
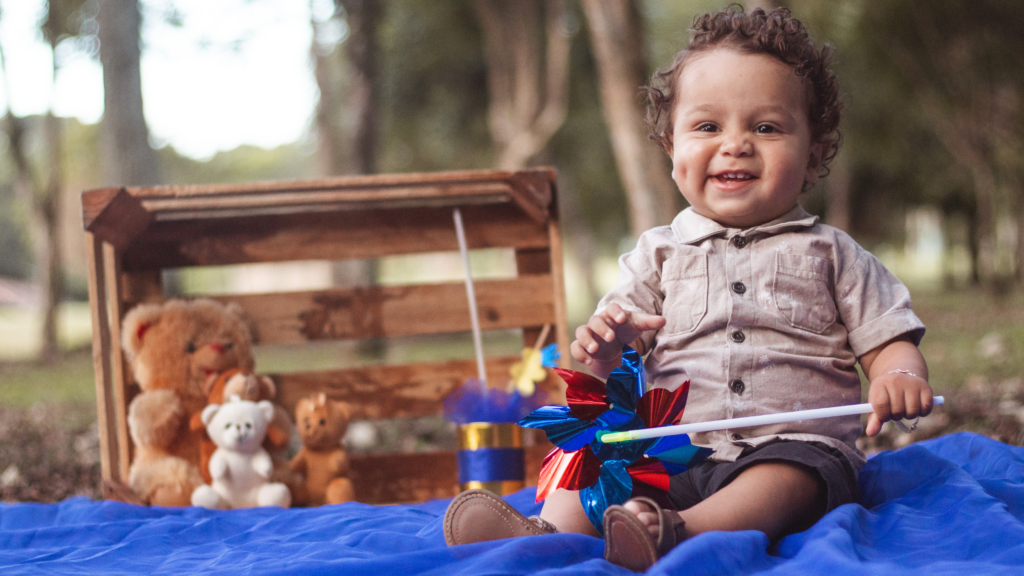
(474, 318)
(744, 422)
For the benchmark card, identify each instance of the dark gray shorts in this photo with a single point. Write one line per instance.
(837, 475)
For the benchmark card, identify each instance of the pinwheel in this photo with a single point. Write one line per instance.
(610, 473)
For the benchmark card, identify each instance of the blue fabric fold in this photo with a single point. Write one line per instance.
(950, 506)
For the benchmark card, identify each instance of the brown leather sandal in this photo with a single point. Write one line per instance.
(630, 545)
(481, 516)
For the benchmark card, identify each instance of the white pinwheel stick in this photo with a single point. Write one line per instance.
(474, 318)
(745, 422)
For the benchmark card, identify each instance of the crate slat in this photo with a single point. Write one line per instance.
(389, 311)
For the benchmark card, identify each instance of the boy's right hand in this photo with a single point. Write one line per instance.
(599, 342)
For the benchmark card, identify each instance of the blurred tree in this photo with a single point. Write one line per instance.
(129, 158)
(40, 186)
(529, 94)
(361, 50)
(961, 62)
(616, 35)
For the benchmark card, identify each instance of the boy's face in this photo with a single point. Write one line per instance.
(741, 139)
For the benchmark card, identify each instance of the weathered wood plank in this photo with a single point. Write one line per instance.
(397, 391)
(328, 236)
(387, 311)
(114, 216)
(101, 345)
(529, 190)
(119, 368)
(394, 478)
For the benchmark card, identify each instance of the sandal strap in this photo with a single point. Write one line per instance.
(543, 524)
(671, 528)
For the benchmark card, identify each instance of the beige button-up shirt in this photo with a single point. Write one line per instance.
(764, 320)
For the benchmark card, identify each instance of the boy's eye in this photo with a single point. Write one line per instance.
(765, 129)
(707, 128)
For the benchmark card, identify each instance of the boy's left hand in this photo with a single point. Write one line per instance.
(899, 386)
(896, 396)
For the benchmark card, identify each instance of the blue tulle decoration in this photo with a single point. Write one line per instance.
(471, 403)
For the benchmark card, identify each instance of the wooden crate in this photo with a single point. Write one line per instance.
(134, 234)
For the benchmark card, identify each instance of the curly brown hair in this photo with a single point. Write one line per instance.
(776, 34)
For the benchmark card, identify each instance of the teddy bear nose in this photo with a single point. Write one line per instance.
(217, 347)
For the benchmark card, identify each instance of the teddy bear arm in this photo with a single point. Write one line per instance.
(339, 463)
(219, 469)
(299, 463)
(155, 418)
(262, 464)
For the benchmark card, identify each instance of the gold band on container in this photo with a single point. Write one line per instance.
(489, 435)
(481, 435)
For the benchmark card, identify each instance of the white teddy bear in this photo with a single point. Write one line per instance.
(240, 467)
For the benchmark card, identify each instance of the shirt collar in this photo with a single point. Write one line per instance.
(690, 227)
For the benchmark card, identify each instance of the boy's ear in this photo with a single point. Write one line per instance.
(814, 161)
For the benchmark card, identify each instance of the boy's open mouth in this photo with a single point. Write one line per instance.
(734, 176)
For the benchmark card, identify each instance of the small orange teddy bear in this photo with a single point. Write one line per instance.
(322, 460)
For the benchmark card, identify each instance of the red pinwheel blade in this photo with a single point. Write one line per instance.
(586, 395)
(649, 471)
(659, 407)
(569, 470)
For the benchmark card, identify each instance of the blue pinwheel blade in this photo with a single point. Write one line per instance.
(563, 430)
(613, 486)
(688, 456)
(667, 443)
(627, 383)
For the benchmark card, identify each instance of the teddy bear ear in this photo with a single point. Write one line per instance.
(268, 386)
(136, 323)
(267, 409)
(209, 412)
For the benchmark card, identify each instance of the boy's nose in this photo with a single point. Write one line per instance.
(737, 145)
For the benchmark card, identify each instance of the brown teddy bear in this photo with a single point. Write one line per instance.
(247, 386)
(322, 424)
(176, 349)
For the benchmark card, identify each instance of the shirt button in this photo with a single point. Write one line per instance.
(737, 437)
(737, 386)
(739, 287)
(737, 337)
(739, 241)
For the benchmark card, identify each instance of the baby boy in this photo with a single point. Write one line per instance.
(747, 296)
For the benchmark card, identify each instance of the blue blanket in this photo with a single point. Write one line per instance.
(954, 505)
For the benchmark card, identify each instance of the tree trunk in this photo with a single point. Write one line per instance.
(128, 157)
(42, 197)
(529, 96)
(49, 255)
(331, 150)
(616, 39)
(362, 50)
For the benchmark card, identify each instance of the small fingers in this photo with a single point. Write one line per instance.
(927, 401)
(615, 313)
(874, 425)
(912, 404)
(880, 403)
(586, 342)
(601, 328)
(897, 405)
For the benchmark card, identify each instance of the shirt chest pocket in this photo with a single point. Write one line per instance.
(684, 281)
(803, 291)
